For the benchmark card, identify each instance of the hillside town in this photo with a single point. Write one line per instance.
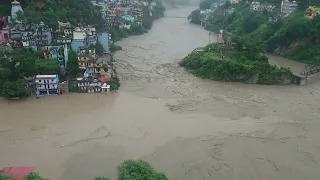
(97, 71)
(286, 8)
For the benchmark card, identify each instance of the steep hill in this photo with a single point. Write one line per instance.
(51, 11)
(295, 36)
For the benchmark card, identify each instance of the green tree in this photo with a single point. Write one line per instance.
(72, 64)
(73, 11)
(98, 47)
(101, 178)
(194, 17)
(20, 63)
(138, 170)
(3, 177)
(13, 89)
(35, 176)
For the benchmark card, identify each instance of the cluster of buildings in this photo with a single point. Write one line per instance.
(286, 7)
(257, 6)
(56, 45)
(124, 13)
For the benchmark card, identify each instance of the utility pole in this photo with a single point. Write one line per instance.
(209, 37)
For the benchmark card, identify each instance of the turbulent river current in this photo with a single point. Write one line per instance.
(187, 127)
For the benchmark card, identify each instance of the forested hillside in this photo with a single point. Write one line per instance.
(51, 11)
(294, 36)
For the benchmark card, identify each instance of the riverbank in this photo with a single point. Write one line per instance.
(137, 29)
(195, 129)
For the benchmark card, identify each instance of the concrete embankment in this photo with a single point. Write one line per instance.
(295, 67)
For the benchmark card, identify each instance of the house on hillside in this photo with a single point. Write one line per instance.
(235, 1)
(288, 7)
(83, 37)
(103, 5)
(15, 38)
(60, 53)
(86, 59)
(78, 40)
(64, 33)
(30, 35)
(64, 29)
(104, 39)
(15, 9)
(4, 31)
(254, 6)
(101, 65)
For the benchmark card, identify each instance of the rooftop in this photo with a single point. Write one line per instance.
(15, 2)
(46, 76)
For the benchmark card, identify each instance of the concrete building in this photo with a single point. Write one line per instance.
(235, 1)
(288, 7)
(254, 5)
(104, 39)
(64, 29)
(60, 53)
(33, 36)
(86, 59)
(64, 39)
(78, 39)
(79, 34)
(63, 87)
(83, 37)
(4, 35)
(15, 8)
(88, 85)
(47, 84)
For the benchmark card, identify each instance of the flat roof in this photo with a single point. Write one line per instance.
(46, 76)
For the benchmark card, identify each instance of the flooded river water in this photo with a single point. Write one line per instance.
(187, 127)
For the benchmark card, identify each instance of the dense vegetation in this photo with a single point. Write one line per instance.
(128, 170)
(236, 65)
(173, 3)
(17, 67)
(294, 36)
(50, 11)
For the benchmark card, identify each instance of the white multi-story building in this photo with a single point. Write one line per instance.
(254, 5)
(234, 1)
(47, 84)
(79, 34)
(15, 8)
(288, 7)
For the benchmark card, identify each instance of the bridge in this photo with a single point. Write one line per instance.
(307, 71)
(310, 69)
(184, 17)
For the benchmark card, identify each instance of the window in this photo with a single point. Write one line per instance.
(39, 80)
(6, 35)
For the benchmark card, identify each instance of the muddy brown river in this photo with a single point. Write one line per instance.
(189, 128)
